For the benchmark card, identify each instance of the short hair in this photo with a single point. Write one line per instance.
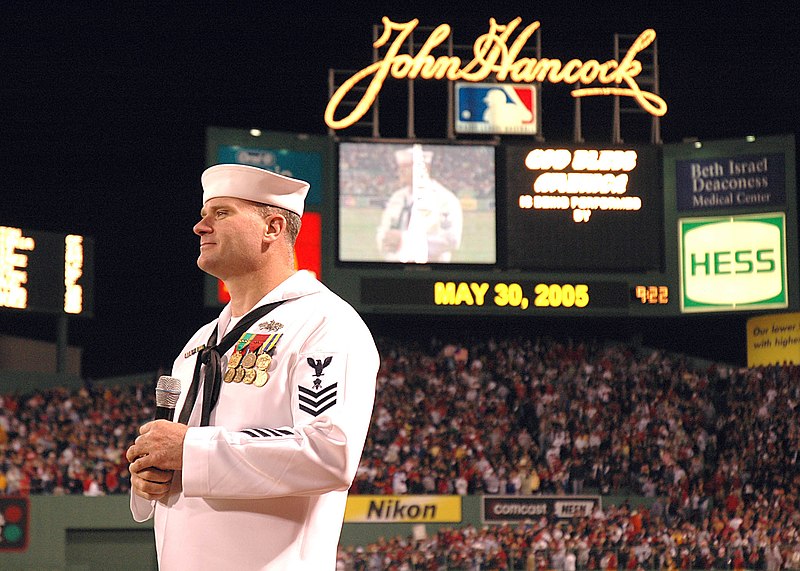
(292, 220)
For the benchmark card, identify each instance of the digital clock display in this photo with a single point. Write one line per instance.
(651, 294)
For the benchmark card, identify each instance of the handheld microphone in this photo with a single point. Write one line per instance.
(168, 389)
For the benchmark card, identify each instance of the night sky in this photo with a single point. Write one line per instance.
(104, 112)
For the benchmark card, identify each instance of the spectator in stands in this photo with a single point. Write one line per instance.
(440, 414)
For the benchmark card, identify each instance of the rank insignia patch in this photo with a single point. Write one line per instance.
(319, 367)
(315, 403)
(319, 391)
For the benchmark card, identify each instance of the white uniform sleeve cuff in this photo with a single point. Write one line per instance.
(195, 471)
(141, 509)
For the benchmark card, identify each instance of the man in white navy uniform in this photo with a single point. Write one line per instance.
(422, 221)
(256, 475)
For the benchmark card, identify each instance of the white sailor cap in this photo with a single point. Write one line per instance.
(405, 156)
(256, 184)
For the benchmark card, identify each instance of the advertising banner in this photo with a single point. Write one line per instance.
(403, 509)
(773, 339)
(731, 182)
(496, 109)
(733, 263)
(510, 509)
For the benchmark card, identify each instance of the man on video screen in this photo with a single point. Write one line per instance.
(422, 220)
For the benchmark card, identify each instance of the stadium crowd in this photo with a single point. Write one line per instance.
(712, 448)
(539, 416)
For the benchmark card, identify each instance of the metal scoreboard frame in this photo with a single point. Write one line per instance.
(622, 203)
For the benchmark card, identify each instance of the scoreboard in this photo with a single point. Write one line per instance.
(577, 208)
(482, 293)
(46, 272)
(555, 229)
(524, 295)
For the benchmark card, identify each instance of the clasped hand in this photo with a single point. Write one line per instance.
(154, 456)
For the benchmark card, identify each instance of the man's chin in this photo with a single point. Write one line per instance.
(208, 266)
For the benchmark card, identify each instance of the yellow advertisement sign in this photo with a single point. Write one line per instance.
(403, 509)
(773, 339)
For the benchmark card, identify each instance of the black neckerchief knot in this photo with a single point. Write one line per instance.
(210, 356)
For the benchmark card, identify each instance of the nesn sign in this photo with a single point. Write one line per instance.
(496, 109)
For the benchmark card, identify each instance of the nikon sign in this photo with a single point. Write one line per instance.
(733, 263)
(403, 509)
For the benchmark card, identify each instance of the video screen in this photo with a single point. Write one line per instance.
(581, 208)
(417, 203)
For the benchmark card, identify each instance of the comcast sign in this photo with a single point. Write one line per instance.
(733, 263)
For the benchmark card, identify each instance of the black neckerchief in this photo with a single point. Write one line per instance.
(210, 357)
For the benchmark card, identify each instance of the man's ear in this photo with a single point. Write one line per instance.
(274, 227)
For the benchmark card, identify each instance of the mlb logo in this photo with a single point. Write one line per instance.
(496, 108)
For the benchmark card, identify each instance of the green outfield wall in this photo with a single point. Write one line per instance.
(78, 533)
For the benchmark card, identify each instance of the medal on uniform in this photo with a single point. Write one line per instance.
(233, 362)
(263, 361)
(264, 358)
(229, 374)
(252, 349)
(270, 342)
(261, 378)
(239, 376)
(239, 348)
(248, 361)
(249, 376)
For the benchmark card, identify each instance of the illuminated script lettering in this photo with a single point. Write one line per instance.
(492, 54)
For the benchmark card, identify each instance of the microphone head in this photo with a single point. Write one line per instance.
(168, 389)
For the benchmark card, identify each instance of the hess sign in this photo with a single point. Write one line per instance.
(733, 263)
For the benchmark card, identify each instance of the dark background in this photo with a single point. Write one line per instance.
(104, 111)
